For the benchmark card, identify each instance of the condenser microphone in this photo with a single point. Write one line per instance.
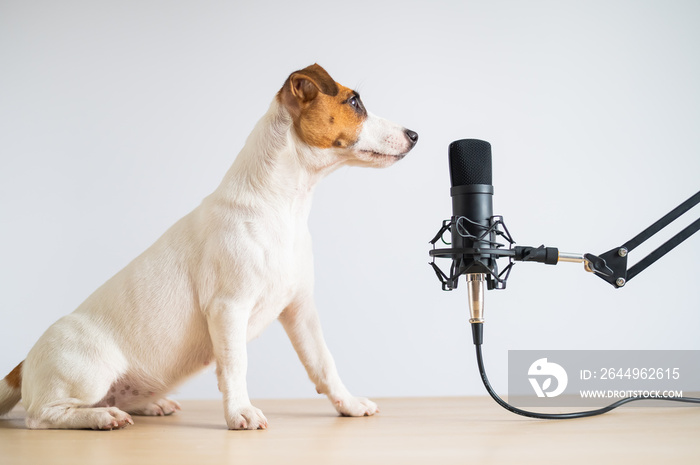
(472, 212)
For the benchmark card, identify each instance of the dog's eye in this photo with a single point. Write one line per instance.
(356, 104)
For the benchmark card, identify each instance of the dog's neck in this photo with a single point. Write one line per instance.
(275, 165)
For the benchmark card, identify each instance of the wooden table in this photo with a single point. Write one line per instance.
(406, 431)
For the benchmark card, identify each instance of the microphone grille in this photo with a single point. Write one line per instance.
(470, 162)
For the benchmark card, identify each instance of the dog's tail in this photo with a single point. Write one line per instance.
(11, 390)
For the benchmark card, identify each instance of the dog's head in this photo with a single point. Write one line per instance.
(331, 117)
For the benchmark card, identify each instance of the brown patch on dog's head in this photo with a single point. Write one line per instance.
(325, 113)
(14, 379)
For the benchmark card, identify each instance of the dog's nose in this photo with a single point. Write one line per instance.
(412, 135)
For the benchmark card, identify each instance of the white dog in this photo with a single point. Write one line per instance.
(214, 280)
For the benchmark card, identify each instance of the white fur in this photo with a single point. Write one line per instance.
(381, 137)
(211, 283)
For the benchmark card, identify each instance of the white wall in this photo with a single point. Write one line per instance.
(117, 118)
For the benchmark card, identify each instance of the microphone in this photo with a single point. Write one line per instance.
(474, 229)
(473, 234)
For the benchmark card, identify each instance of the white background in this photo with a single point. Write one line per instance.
(117, 118)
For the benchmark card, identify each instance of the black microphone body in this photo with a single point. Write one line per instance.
(472, 208)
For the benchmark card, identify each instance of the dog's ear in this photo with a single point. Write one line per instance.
(304, 86)
(306, 83)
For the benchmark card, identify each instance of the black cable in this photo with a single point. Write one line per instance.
(477, 333)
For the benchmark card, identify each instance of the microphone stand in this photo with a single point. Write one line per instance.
(614, 262)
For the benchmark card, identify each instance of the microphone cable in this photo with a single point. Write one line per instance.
(478, 336)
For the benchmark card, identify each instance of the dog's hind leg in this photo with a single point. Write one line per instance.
(71, 404)
(63, 389)
(71, 414)
(162, 407)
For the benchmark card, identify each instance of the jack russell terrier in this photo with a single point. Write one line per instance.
(214, 280)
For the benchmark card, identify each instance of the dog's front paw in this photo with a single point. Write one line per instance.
(355, 406)
(247, 417)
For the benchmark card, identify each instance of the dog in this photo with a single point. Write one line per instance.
(214, 280)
